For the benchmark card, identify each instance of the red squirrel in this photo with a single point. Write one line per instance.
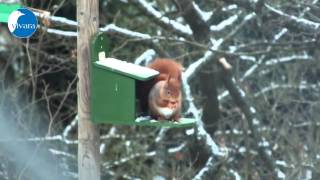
(165, 100)
(164, 92)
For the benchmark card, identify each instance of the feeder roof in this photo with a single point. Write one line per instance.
(6, 9)
(127, 69)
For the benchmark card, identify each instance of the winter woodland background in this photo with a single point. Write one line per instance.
(251, 80)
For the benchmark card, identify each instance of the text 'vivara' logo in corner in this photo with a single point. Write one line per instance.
(22, 23)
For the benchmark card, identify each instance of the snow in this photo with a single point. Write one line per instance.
(194, 66)
(280, 174)
(249, 16)
(161, 134)
(126, 67)
(190, 131)
(224, 23)
(264, 143)
(61, 32)
(235, 174)
(145, 57)
(242, 150)
(230, 7)
(305, 22)
(196, 113)
(308, 175)
(255, 121)
(223, 95)
(158, 177)
(114, 28)
(61, 153)
(102, 148)
(203, 170)
(179, 27)
(273, 86)
(177, 149)
(287, 59)
(67, 129)
(281, 163)
(143, 118)
(248, 58)
(61, 20)
(254, 67)
(204, 15)
(253, 110)
(280, 34)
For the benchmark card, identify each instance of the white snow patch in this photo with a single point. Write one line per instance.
(281, 163)
(204, 15)
(126, 67)
(235, 174)
(113, 27)
(230, 7)
(253, 110)
(176, 149)
(280, 174)
(145, 57)
(102, 148)
(224, 23)
(248, 58)
(180, 27)
(242, 150)
(190, 131)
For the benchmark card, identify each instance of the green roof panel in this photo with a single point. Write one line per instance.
(6, 9)
(127, 69)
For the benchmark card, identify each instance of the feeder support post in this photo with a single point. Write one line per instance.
(88, 133)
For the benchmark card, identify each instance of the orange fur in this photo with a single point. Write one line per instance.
(165, 100)
(154, 91)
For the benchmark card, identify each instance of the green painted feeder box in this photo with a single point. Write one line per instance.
(6, 9)
(113, 89)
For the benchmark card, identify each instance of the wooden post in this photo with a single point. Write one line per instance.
(88, 133)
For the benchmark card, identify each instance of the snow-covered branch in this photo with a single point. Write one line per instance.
(181, 29)
(254, 67)
(112, 28)
(61, 32)
(205, 169)
(172, 150)
(238, 96)
(192, 68)
(227, 22)
(304, 22)
(57, 19)
(145, 57)
(274, 86)
(204, 15)
(288, 59)
(202, 133)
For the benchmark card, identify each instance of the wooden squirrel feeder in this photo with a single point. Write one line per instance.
(113, 89)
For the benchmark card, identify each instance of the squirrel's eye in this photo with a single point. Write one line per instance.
(168, 93)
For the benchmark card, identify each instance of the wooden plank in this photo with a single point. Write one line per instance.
(88, 133)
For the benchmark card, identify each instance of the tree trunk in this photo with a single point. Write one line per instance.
(88, 133)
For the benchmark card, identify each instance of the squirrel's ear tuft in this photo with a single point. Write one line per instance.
(169, 77)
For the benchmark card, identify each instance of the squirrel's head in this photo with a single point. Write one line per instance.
(172, 88)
